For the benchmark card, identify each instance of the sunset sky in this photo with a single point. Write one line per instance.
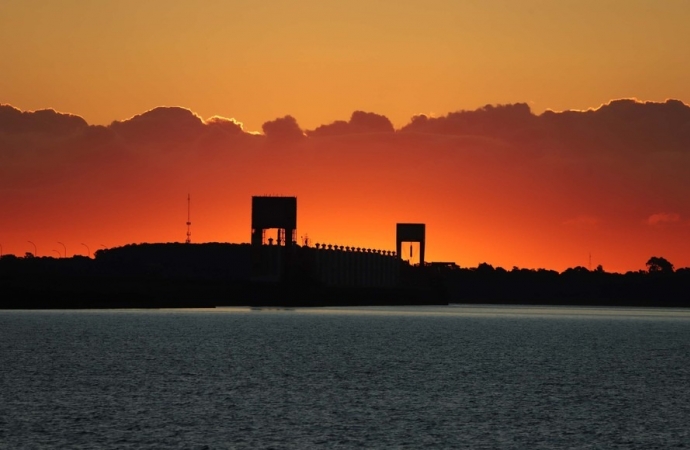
(513, 188)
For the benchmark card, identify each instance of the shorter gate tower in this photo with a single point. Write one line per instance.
(410, 232)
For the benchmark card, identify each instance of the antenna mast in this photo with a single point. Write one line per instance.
(189, 222)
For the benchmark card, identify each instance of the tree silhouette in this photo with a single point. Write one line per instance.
(657, 264)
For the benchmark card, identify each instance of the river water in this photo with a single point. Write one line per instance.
(430, 377)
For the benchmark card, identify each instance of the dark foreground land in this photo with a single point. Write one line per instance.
(148, 292)
(211, 275)
(178, 276)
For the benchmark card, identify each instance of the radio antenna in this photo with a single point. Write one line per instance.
(189, 222)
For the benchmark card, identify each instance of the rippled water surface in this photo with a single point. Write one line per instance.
(468, 377)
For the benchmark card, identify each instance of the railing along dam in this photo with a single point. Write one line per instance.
(334, 265)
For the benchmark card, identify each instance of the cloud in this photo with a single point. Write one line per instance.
(337, 128)
(489, 120)
(283, 129)
(663, 219)
(366, 122)
(360, 123)
(162, 124)
(227, 125)
(44, 121)
(623, 125)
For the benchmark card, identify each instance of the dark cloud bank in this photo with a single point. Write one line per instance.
(625, 163)
(621, 125)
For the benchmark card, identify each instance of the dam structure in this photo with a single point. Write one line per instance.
(283, 260)
(272, 270)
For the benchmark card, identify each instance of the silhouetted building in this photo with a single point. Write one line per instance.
(410, 232)
(273, 262)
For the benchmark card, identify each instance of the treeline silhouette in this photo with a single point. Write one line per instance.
(218, 274)
(656, 286)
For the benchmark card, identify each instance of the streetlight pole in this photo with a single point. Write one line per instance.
(58, 252)
(88, 250)
(65, 247)
(35, 248)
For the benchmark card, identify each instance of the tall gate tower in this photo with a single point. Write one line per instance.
(273, 213)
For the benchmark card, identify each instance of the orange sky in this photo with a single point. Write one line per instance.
(320, 61)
